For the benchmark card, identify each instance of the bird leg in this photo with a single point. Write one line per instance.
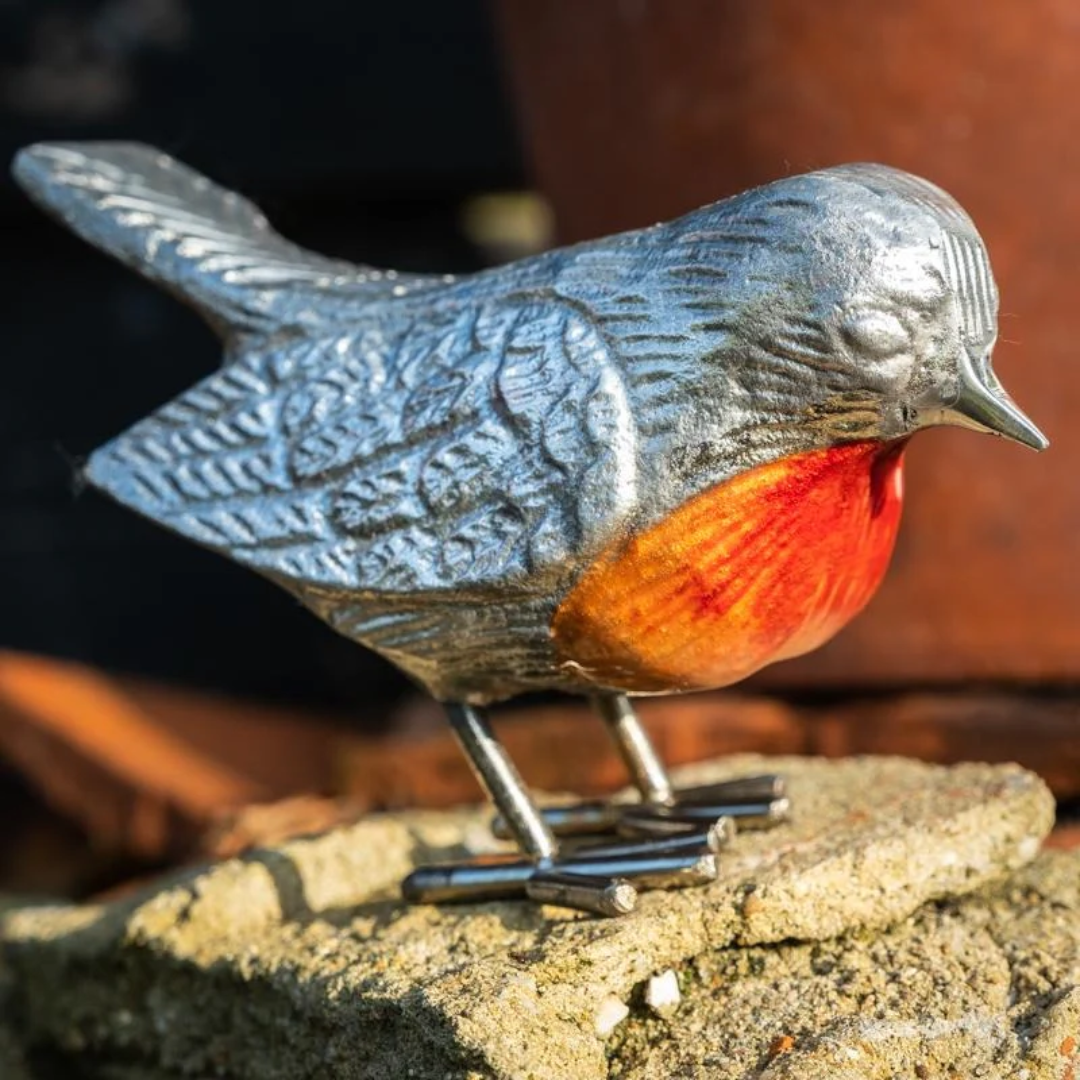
(501, 780)
(663, 812)
(750, 801)
(600, 880)
(642, 762)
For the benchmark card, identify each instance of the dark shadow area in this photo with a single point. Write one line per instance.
(360, 129)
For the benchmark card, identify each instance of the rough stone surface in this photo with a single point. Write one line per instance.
(301, 962)
(988, 986)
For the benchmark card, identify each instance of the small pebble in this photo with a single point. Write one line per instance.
(610, 1015)
(662, 993)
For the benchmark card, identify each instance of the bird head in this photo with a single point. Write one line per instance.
(909, 311)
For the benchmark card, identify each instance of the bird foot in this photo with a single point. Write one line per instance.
(603, 879)
(752, 802)
(648, 845)
(669, 839)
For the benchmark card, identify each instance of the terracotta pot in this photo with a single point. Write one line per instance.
(635, 111)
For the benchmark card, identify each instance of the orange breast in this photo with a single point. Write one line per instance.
(766, 566)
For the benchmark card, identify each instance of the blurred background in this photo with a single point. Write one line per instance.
(152, 694)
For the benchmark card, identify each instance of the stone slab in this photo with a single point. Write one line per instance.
(987, 986)
(300, 961)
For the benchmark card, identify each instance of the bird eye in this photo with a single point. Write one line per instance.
(875, 334)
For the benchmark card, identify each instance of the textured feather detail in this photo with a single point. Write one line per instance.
(211, 246)
(374, 461)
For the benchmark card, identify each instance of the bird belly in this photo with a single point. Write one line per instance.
(763, 567)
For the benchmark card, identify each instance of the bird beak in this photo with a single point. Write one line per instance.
(983, 405)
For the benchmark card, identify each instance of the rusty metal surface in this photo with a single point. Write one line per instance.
(636, 111)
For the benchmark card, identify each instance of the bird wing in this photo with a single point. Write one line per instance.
(480, 449)
(212, 247)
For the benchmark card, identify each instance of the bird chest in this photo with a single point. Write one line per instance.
(763, 567)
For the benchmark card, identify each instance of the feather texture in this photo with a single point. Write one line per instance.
(211, 246)
(375, 463)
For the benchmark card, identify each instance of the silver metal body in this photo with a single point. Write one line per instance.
(430, 463)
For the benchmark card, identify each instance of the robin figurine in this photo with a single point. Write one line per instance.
(648, 464)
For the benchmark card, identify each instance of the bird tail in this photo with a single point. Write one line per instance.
(208, 245)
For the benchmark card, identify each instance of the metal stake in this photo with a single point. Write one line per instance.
(660, 867)
(499, 777)
(600, 895)
(642, 761)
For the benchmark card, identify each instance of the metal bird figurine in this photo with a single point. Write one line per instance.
(647, 464)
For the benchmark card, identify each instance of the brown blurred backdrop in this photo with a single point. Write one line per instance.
(383, 125)
(633, 111)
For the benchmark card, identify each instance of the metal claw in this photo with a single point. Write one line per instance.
(693, 807)
(649, 820)
(597, 895)
(714, 838)
(502, 877)
(649, 827)
(745, 789)
(494, 878)
(661, 868)
(581, 819)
